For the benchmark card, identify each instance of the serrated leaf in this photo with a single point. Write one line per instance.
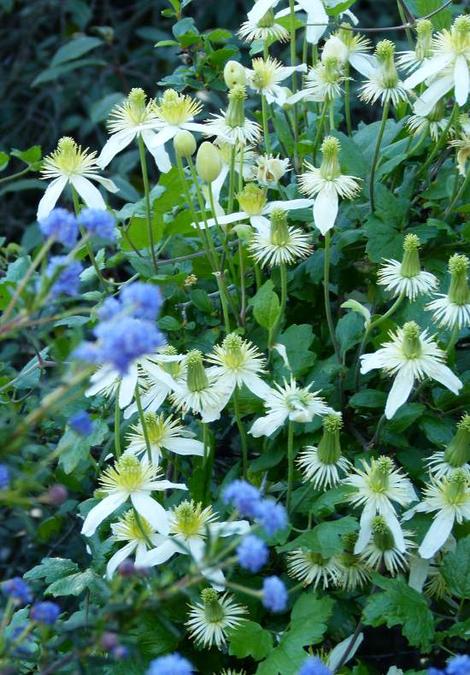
(325, 538)
(455, 569)
(73, 584)
(250, 639)
(266, 306)
(51, 569)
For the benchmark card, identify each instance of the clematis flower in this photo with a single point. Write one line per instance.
(231, 126)
(70, 165)
(410, 355)
(412, 59)
(382, 549)
(138, 534)
(310, 567)
(278, 244)
(265, 28)
(456, 455)
(323, 82)
(453, 309)
(164, 433)
(322, 465)
(210, 619)
(383, 83)
(327, 184)
(347, 46)
(265, 76)
(406, 276)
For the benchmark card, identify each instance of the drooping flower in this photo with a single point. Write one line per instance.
(377, 487)
(383, 83)
(327, 184)
(292, 402)
(353, 571)
(278, 243)
(266, 28)
(237, 362)
(310, 567)
(269, 169)
(382, 550)
(164, 433)
(456, 455)
(265, 76)
(413, 58)
(231, 126)
(317, 18)
(410, 355)
(453, 309)
(70, 165)
(450, 498)
(322, 465)
(138, 534)
(406, 276)
(462, 144)
(135, 480)
(210, 619)
(434, 123)
(448, 67)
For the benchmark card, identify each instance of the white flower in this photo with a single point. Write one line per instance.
(317, 18)
(353, 571)
(139, 536)
(298, 404)
(323, 82)
(322, 465)
(199, 391)
(210, 619)
(70, 165)
(383, 83)
(133, 118)
(410, 355)
(277, 243)
(265, 76)
(457, 454)
(327, 184)
(269, 169)
(450, 497)
(191, 528)
(349, 47)
(243, 163)
(134, 480)
(453, 310)
(265, 29)
(412, 59)
(312, 568)
(433, 123)
(382, 550)
(407, 277)
(237, 362)
(163, 434)
(376, 487)
(260, 8)
(448, 68)
(231, 126)
(255, 208)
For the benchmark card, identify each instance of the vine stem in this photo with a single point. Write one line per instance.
(326, 294)
(457, 196)
(290, 463)
(275, 330)
(143, 422)
(347, 100)
(242, 430)
(453, 338)
(375, 159)
(148, 206)
(117, 424)
(264, 114)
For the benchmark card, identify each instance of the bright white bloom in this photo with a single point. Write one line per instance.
(139, 536)
(192, 527)
(453, 309)
(433, 123)
(200, 392)
(231, 126)
(327, 184)
(377, 486)
(266, 29)
(297, 404)
(255, 208)
(383, 83)
(457, 454)
(260, 8)
(323, 82)
(135, 480)
(317, 17)
(348, 46)
(210, 619)
(265, 76)
(312, 568)
(382, 550)
(237, 362)
(450, 497)
(269, 169)
(463, 151)
(412, 59)
(448, 68)
(406, 276)
(135, 118)
(277, 243)
(322, 465)
(410, 355)
(70, 165)
(164, 433)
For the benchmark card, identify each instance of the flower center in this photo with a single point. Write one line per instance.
(128, 474)
(235, 116)
(213, 610)
(279, 228)
(252, 199)
(459, 292)
(411, 340)
(156, 428)
(128, 529)
(234, 357)
(264, 72)
(423, 47)
(189, 519)
(382, 535)
(460, 34)
(456, 489)
(176, 109)
(267, 21)
(380, 473)
(410, 266)
(329, 448)
(385, 53)
(196, 378)
(68, 158)
(330, 168)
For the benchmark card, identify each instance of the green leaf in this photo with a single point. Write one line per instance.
(51, 569)
(349, 331)
(401, 605)
(297, 340)
(74, 49)
(74, 448)
(455, 569)
(368, 398)
(405, 416)
(325, 538)
(54, 72)
(201, 300)
(383, 240)
(4, 159)
(100, 109)
(73, 584)
(266, 306)
(250, 639)
(31, 156)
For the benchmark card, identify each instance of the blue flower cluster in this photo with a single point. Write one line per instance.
(274, 594)
(81, 423)
(45, 612)
(249, 503)
(18, 590)
(252, 553)
(68, 279)
(172, 664)
(5, 477)
(459, 665)
(314, 666)
(64, 227)
(126, 330)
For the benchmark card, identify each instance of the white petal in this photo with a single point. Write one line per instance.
(444, 375)
(227, 529)
(114, 145)
(267, 425)
(256, 385)
(462, 80)
(185, 446)
(390, 518)
(127, 386)
(370, 362)
(153, 140)
(101, 511)
(429, 68)
(50, 197)
(158, 152)
(290, 205)
(219, 182)
(325, 208)
(215, 577)
(439, 88)
(140, 554)
(419, 570)
(398, 395)
(118, 557)
(161, 554)
(107, 183)
(224, 220)
(260, 223)
(259, 10)
(88, 192)
(365, 64)
(194, 126)
(437, 534)
(316, 14)
(196, 547)
(365, 528)
(345, 647)
(167, 485)
(152, 511)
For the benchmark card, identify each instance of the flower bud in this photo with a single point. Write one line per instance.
(279, 228)
(423, 49)
(459, 292)
(208, 162)
(410, 266)
(184, 144)
(235, 116)
(234, 73)
(329, 448)
(196, 378)
(457, 453)
(244, 231)
(57, 494)
(335, 48)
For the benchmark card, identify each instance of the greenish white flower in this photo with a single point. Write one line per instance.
(413, 58)
(406, 276)
(278, 243)
(210, 619)
(138, 535)
(381, 549)
(383, 83)
(353, 571)
(456, 455)
(323, 465)
(232, 126)
(265, 28)
(310, 567)
(164, 433)
(265, 76)
(323, 82)
(453, 309)
(237, 362)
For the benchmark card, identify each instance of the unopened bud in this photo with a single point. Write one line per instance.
(184, 144)
(57, 494)
(208, 162)
(234, 73)
(127, 568)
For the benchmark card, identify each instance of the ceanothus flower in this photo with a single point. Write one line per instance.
(274, 595)
(171, 664)
(61, 225)
(66, 275)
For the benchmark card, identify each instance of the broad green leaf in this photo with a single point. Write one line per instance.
(51, 569)
(54, 72)
(30, 156)
(368, 398)
(73, 584)
(349, 331)
(325, 538)
(383, 240)
(74, 49)
(4, 159)
(455, 569)
(297, 340)
(250, 639)
(266, 306)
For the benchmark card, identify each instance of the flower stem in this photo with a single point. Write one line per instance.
(454, 336)
(148, 207)
(282, 308)
(376, 155)
(141, 527)
(456, 198)
(117, 424)
(347, 100)
(326, 294)
(441, 141)
(264, 113)
(231, 180)
(290, 463)
(293, 61)
(242, 430)
(143, 422)
(332, 115)
(320, 125)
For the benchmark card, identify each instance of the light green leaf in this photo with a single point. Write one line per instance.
(455, 569)
(73, 584)
(250, 639)
(74, 49)
(51, 569)
(266, 306)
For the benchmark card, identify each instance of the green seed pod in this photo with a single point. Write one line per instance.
(234, 73)
(208, 162)
(184, 144)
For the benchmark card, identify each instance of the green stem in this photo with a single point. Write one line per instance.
(223, 236)
(117, 424)
(264, 113)
(143, 422)
(283, 279)
(347, 100)
(148, 206)
(326, 294)
(293, 61)
(242, 430)
(231, 180)
(89, 247)
(454, 336)
(376, 156)
(457, 196)
(320, 126)
(18, 174)
(332, 115)
(141, 527)
(290, 463)
(242, 283)
(441, 141)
